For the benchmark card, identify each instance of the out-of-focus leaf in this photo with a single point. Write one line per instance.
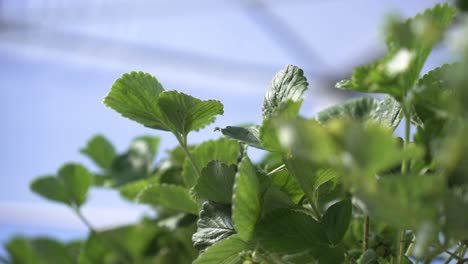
(385, 111)
(131, 190)
(100, 150)
(169, 196)
(403, 200)
(135, 164)
(50, 187)
(456, 211)
(369, 257)
(76, 180)
(69, 187)
(125, 244)
(409, 44)
(214, 224)
(215, 183)
(38, 251)
(432, 96)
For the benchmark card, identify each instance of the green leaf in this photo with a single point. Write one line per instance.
(131, 190)
(135, 96)
(223, 150)
(432, 97)
(100, 150)
(336, 220)
(135, 164)
(124, 244)
(214, 224)
(224, 252)
(169, 196)
(288, 231)
(274, 198)
(456, 210)
(37, 251)
(369, 257)
(322, 254)
(247, 206)
(307, 139)
(70, 187)
(309, 175)
(187, 113)
(247, 135)
(76, 180)
(403, 200)
(386, 111)
(146, 145)
(409, 44)
(286, 182)
(356, 108)
(215, 183)
(50, 187)
(288, 84)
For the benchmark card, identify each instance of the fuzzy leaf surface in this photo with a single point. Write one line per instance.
(215, 224)
(76, 180)
(288, 84)
(385, 111)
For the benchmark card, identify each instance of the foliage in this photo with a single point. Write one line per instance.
(323, 179)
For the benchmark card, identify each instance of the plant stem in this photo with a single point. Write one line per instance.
(84, 220)
(463, 251)
(276, 170)
(410, 246)
(365, 239)
(112, 243)
(183, 144)
(404, 170)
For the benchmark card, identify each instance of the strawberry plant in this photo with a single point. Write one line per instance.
(340, 187)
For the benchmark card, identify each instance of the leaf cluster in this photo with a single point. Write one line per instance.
(322, 179)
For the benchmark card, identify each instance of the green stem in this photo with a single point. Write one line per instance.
(365, 239)
(404, 170)
(276, 170)
(463, 251)
(84, 220)
(410, 246)
(451, 256)
(183, 144)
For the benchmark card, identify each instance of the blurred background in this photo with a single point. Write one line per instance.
(59, 58)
